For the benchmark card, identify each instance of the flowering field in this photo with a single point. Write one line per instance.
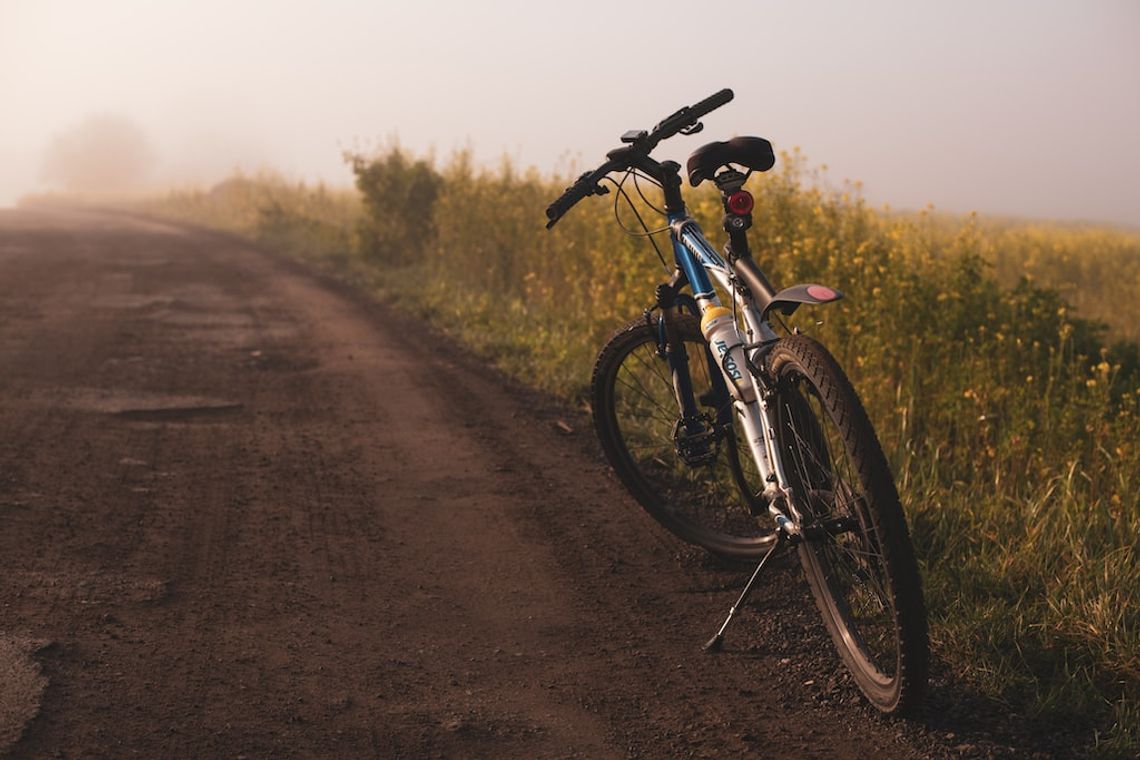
(998, 360)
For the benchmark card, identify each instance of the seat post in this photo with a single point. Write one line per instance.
(737, 221)
(737, 218)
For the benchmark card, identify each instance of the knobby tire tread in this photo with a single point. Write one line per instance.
(818, 367)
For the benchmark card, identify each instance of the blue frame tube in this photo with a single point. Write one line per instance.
(692, 253)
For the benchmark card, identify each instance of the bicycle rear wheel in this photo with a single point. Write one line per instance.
(638, 420)
(857, 554)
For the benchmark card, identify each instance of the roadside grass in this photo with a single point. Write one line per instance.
(997, 359)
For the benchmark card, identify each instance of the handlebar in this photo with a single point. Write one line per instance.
(687, 116)
(639, 144)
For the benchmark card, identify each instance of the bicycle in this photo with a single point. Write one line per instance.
(741, 440)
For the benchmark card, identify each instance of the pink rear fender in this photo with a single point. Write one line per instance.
(789, 299)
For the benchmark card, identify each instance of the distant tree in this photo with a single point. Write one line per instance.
(100, 155)
(399, 195)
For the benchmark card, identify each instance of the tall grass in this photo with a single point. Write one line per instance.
(1011, 418)
(315, 222)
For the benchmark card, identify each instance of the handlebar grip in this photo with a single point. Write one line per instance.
(711, 103)
(566, 201)
(688, 116)
(555, 210)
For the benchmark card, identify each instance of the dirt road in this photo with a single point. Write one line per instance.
(245, 512)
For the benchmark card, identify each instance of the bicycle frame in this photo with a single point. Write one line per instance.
(697, 260)
(753, 296)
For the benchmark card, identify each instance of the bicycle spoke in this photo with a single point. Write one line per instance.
(654, 366)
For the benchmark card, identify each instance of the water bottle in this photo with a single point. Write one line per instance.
(719, 327)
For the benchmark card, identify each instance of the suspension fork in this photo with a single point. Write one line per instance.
(671, 345)
(695, 436)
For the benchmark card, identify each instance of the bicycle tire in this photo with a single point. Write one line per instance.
(860, 566)
(635, 411)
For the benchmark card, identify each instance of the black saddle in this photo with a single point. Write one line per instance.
(752, 152)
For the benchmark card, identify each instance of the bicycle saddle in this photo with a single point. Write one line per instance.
(752, 152)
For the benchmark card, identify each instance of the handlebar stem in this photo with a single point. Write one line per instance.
(668, 173)
(671, 185)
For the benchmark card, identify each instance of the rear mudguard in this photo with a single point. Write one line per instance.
(789, 299)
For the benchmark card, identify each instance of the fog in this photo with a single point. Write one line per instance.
(104, 154)
(1022, 108)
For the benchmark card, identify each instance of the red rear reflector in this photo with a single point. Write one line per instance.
(740, 202)
(820, 292)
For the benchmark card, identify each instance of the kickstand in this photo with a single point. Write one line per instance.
(716, 642)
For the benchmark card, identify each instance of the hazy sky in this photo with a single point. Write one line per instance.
(1028, 107)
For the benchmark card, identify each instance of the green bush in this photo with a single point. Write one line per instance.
(399, 195)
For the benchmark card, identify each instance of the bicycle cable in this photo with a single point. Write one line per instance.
(640, 192)
(628, 199)
(646, 233)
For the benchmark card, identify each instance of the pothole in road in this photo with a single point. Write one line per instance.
(132, 301)
(176, 413)
(142, 405)
(207, 320)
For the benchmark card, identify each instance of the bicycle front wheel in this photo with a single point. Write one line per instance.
(857, 553)
(703, 489)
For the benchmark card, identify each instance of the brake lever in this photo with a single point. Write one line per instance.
(676, 114)
(692, 129)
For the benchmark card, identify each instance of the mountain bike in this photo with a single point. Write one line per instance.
(741, 436)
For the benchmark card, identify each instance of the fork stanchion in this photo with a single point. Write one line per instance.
(717, 642)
